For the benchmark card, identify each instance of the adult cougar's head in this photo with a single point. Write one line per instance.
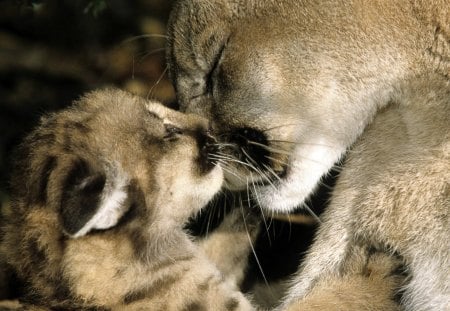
(289, 84)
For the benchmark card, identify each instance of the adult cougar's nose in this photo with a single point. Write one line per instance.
(253, 146)
(258, 154)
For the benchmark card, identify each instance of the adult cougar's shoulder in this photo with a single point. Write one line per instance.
(294, 84)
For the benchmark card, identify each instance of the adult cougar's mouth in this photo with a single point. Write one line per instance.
(253, 160)
(280, 174)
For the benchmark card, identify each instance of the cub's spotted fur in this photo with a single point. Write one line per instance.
(101, 191)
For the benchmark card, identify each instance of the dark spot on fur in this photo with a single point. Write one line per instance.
(62, 290)
(39, 195)
(153, 115)
(136, 201)
(70, 128)
(44, 138)
(231, 304)
(398, 295)
(156, 288)
(135, 296)
(77, 126)
(81, 196)
(204, 286)
(194, 306)
(169, 262)
(38, 256)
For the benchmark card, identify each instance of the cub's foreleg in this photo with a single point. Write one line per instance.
(325, 257)
(229, 246)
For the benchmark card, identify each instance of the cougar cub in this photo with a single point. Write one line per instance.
(101, 191)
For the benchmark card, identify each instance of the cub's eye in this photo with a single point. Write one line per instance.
(172, 131)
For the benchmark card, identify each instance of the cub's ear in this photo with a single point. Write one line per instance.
(90, 200)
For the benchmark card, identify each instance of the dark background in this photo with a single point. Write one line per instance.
(52, 51)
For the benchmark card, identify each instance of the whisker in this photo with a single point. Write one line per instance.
(234, 161)
(248, 165)
(210, 214)
(279, 126)
(299, 143)
(145, 36)
(252, 246)
(249, 157)
(223, 145)
(311, 212)
(146, 54)
(295, 218)
(226, 169)
(277, 160)
(157, 82)
(268, 148)
(255, 195)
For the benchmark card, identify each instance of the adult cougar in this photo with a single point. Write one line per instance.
(295, 85)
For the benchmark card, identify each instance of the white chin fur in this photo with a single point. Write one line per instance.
(209, 186)
(308, 165)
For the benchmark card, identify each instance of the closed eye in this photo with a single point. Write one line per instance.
(214, 68)
(172, 131)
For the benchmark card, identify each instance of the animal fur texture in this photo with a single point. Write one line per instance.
(101, 191)
(295, 86)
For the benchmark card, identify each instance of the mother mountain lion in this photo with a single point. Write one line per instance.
(294, 85)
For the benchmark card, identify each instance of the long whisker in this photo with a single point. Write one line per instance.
(146, 36)
(271, 149)
(229, 171)
(146, 54)
(311, 212)
(272, 172)
(279, 126)
(231, 159)
(252, 246)
(157, 82)
(255, 195)
(299, 143)
(277, 160)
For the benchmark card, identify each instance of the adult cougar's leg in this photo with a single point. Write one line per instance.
(369, 284)
(429, 287)
(326, 256)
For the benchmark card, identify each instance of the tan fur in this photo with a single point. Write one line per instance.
(152, 169)
(295, 85)
(370, 287)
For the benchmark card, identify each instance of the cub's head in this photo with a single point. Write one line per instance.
(113, 156)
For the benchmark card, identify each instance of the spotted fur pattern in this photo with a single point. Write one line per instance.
(101, 191)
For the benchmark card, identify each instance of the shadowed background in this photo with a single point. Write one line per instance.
(52, 51)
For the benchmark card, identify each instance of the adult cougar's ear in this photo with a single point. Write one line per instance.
(91, 199)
